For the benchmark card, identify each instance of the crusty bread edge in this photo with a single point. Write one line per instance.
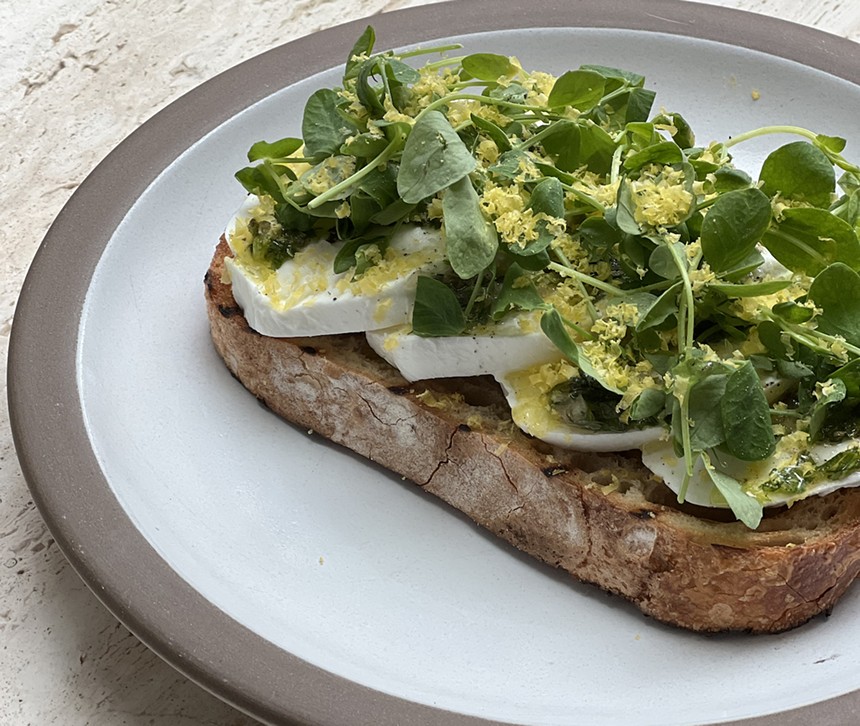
(554, 505)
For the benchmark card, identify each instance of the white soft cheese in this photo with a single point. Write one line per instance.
(306, 297)
(531, 413)
(507, 346)
(659, 457)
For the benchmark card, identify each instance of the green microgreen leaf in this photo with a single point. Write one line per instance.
(260, 180)
(547, 198)
(324, 129)
(362, 47)
(648, 404)
(635, 104)
(733, 226)
(437, 312)
(746, 416)
(683, 135)
(661, 310)
(664, 152)
(749, 264)
(706, 421)
(598, 236)
(401, 72)
(381, 184)
(625, 211)
(849, 374)
(834, 144)
(499, 137)
(364, 89)
(662, 260)
(744, 506)
(792, 312)
(836, 290)
(518, 292)
(836, 392)
(573, 145)
(471, 238)
(729, 179)
(433, 159)
(580, 89)
(488, 66)
(345, 257)
(364, 146)
(753, 289)
(800, 171)
(275, 150)
(512, 93)
(626, 77)
(508, 165)
(394, 212)
(807, 240)
(553, 327)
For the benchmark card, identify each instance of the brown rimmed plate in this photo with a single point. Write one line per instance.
(300, 583)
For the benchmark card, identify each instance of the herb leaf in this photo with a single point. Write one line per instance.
(732, 226)
(488, 66)
(275, 150)
(471, 238)
(553, 327)
(547, 198)
(799, 171)
(580, 89)
(516, 295)
(836, 393)
(664, 152)
(836, 290)
(498, 136)
(572, 145)
(706, 421)
(323, 128)
(437, 312)
(746, 416)
(809, 239)
(663, 308)
(433, 159)
(648, 404)
(744, 506)
(753, 289)
(363, 46)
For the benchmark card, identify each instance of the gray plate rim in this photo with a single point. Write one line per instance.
(166, 613)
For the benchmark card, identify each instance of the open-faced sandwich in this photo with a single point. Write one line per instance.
(542, 301)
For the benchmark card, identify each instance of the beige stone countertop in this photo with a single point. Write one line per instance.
(76, 77)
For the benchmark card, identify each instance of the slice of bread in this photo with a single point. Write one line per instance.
(604, 518)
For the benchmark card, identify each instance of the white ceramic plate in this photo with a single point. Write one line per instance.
(294, 554)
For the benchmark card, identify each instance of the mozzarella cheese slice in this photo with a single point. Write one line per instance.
(659, 457)
(512, 344)
(305, 297)
(532, 414)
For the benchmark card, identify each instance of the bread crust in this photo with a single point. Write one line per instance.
(603, 518)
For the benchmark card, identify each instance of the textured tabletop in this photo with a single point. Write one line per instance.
(76, 77)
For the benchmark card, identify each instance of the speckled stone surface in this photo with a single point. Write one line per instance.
(76, 77)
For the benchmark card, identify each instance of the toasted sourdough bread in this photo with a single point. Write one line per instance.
(604, 518)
